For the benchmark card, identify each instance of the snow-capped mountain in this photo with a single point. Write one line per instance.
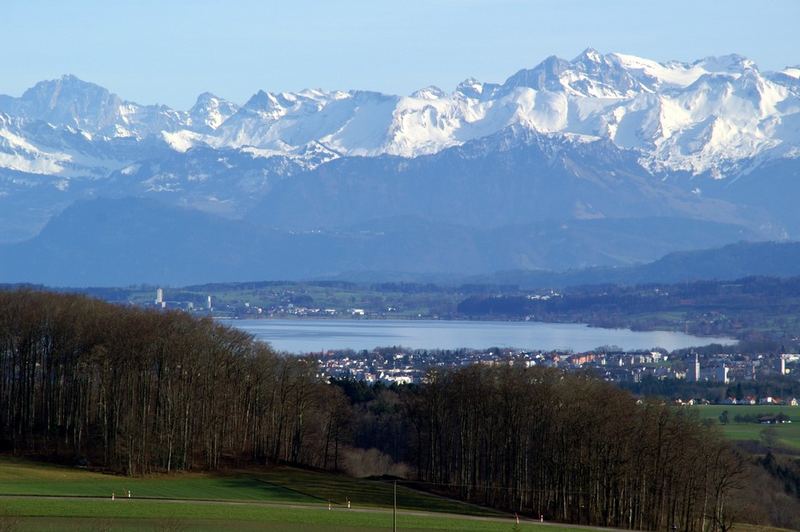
(703, 126)
(71, 102)
(714, 115)
(209, 112)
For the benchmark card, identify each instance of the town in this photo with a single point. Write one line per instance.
(688, 376)
(721, 371)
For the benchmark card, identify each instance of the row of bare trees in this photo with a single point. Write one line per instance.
(139, 391)
(572, 448)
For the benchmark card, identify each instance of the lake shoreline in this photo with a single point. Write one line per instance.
(730, 340)
(313, 335)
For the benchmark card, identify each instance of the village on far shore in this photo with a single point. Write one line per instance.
(721, 371)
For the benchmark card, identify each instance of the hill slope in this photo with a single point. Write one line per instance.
(734, 261)
(117, 242)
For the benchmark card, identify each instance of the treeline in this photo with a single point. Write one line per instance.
(784, 387)
(137, 391)
(572, 448)
(755, 309)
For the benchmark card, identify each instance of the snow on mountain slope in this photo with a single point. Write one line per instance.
(209, 112)
(716, 115)
(71, 102)
(698, 117)
(793, 72)
(41, 148)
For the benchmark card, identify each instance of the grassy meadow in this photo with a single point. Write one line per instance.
(39, 496)
(46, 497)
(788, 434)
(35, 496)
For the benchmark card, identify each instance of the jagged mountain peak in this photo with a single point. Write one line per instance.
(590, 74)
(71, 101)
(279, 102)
(601, 136)
(702, 116)
(544, 76)
(210, 111)
(66, 82)
(431, 92)
(729, 63)
(67, 93)
(206, 97)
(473, 88)
(260, 100)
(589, 55)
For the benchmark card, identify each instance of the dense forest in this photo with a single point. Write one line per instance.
(136, 391)
(571, 447)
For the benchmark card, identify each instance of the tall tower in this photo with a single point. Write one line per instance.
(208, 303)
(782, 365)
(159, 296)
(694, 369)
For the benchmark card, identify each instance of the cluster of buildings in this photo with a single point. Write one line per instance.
(401, 366)
(722, 368)
(728, 367)
(206, 304)
(189, 306)
(410, 366)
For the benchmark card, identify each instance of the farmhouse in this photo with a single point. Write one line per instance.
(780, 419)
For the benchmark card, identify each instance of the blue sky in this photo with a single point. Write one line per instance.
(168, 52)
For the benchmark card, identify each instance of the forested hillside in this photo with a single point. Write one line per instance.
(574, 448)
(137, 391)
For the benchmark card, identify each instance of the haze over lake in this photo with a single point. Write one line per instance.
(308, 335)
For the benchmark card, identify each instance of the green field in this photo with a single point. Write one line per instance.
(36, 496)
(151, 514)
(285, 485)
(788, 434)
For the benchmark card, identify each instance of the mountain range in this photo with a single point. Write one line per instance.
(606, 160)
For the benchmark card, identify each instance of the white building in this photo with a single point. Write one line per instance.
(721, 374)
(693, 375)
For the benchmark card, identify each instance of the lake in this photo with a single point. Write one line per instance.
(310, 335)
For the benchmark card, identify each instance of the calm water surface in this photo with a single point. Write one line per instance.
(309, 335)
